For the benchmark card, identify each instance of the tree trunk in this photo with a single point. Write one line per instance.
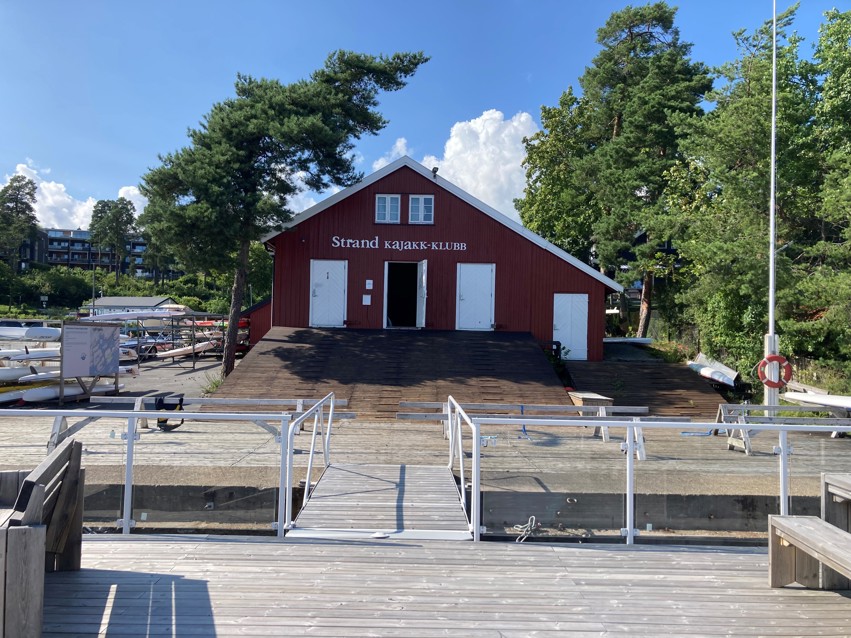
(237, 293)
(645, 311)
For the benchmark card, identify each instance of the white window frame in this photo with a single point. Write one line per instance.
(388, 199)
(420, 219)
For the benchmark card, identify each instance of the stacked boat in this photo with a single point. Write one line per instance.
(30, 359)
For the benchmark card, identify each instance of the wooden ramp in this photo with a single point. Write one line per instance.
(362, 501)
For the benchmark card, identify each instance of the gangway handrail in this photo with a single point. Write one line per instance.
(285, 494)
(629, 532)
(456, 418)
(133, 416)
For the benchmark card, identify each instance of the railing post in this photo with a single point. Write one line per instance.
(127, 511)
(784, 472)
(475, 498)
(282, 477)
(288, 514)
(630, 484)
(328, 431)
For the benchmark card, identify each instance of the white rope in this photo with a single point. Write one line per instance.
(525, 530)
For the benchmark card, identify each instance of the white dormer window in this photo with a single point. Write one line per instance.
(387, 209)
(421, 209)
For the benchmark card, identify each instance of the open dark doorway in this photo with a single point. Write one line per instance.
(402, 294)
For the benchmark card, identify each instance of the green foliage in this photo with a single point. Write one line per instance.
(17, 216)
(208, 201)
(112, 225)
(597, 169)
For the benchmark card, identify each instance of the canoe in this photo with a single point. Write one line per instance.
(54, 373)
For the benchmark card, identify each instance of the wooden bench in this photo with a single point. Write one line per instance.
(836, 508)
(809, 551)
(41, 523)
(63, 480)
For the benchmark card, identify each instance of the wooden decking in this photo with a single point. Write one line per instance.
(238, 586)
(668, 389)
(406, 501)
(376, 369)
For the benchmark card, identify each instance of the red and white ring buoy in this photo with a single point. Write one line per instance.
(785, 371)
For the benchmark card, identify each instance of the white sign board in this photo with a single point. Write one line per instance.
(89, 350)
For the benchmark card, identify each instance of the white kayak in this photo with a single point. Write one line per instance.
(711, 373)
(50, 392)
(33, 333)
(181, 352)
(830, 400)
(45, 374)
(17, 372)
(11, 395)
(38, 354)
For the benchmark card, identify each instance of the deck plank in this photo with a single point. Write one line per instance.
(384, 498)
(229, 586)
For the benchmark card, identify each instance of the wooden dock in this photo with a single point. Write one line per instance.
(239, 586)
(406, 501)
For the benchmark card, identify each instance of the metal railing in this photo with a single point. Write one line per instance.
(456, 419)
(632, 429)
(317, 412)
(283, 433)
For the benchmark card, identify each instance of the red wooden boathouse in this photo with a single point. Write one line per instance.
(405, 248)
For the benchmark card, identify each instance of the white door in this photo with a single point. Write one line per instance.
(328, 293)
(422, 295)
(570, 325)
(474, 304)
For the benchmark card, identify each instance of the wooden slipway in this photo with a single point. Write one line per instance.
(376, 369)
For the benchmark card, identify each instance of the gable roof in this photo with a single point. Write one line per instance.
(461, 194)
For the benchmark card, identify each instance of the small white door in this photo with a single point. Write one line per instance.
(422, 293)
(328, 293)
(474, 303)
(570, 325)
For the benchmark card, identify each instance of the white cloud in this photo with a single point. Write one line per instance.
(55, 207)
(134, 195)
(400, 149)
(484, 155)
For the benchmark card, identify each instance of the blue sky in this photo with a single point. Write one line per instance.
(93, 90)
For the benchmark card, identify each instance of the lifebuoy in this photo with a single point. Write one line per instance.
(785, 371)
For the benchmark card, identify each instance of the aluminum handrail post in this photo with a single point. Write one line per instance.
(784, 473)
(332, 401)
(288, 521)
(475, 497)
(127, 509)
(460, 452)
(630, 484)
(449, 432)
(282, 477)
(306, 494)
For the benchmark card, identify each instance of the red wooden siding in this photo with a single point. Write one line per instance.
(527, 276)
(259, 321)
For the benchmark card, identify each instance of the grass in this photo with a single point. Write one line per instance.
(213, 381)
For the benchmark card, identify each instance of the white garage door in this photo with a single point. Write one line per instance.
(475, 297)
(570, 324)
(328, 293)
